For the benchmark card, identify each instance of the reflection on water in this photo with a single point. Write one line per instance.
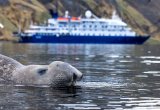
(116, 77)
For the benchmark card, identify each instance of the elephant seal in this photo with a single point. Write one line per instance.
(56, 74)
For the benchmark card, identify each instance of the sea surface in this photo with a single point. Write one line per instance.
(116, 77)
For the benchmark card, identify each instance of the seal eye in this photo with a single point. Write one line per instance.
(42, 71)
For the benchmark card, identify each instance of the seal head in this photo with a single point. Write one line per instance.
(56, 74)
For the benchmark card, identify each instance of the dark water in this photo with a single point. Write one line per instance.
(116, 77)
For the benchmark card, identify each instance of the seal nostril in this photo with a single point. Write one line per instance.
(74, 76)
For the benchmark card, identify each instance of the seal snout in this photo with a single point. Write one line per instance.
(64, 73)
(77, 77)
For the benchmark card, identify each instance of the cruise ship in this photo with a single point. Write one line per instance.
(87, 30)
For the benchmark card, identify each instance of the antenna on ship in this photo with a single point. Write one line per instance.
(66, 14)
(115, 16)
(19, 27)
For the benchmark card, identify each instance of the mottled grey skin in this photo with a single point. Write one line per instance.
(56, 74)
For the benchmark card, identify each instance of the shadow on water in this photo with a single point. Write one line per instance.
(116, 77)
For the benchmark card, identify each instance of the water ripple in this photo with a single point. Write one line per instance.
(82, 106)
(151, 61)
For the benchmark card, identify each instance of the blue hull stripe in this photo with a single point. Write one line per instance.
(85, 39)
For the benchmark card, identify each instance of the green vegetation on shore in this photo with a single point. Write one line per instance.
(139, 23)
(20, 13)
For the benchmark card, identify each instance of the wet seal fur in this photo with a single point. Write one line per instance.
(56, 74)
